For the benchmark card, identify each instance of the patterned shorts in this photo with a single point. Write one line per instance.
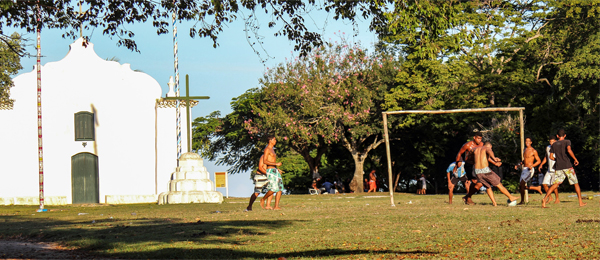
(566, 173)
(260, 181)
(275, 180)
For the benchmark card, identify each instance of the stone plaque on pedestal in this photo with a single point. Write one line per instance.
(190, 183)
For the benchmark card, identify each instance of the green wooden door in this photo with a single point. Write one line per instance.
(84, 178)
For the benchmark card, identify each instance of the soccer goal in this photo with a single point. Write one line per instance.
(450, 111)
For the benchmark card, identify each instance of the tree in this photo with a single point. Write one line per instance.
(333, 95)
(226, 140)
(10, 65)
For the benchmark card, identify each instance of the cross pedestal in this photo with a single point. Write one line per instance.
(190, 183)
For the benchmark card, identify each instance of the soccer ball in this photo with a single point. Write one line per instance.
(511, 204)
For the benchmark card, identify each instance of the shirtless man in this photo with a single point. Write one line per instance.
(530, 161)
(469, 161)
(550, 173)
(564, 168)
(487, 177)
(260, 181)
(273, 174)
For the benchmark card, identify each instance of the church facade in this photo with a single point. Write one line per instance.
(108, 135)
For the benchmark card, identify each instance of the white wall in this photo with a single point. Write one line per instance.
(124, 104)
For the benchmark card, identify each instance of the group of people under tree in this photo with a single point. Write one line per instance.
(474, 171)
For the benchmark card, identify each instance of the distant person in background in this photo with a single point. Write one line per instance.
(366, 185)
(316, 178)
(372, 181)
(423, 185)
(550, 172)
(260, 182)
(327, 185)
(454, 177)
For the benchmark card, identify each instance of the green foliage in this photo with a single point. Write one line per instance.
(331, 96)
(10, 64)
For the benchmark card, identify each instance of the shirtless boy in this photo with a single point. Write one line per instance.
(469, 161)
(564, 168)
(550, 173)
(273, 174)
(260, 181)
(530, 161)
(487, 177)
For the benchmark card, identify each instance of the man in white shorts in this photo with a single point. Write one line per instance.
(550, 173)
(530, 161)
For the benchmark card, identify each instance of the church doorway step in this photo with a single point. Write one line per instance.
(84, 178)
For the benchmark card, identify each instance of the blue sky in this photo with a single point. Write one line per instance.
(222, 73)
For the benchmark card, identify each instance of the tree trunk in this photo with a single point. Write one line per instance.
(396, 183)
(358, 180)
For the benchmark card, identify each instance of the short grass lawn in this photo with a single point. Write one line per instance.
(343, 226)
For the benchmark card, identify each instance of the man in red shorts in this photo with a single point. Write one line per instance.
(485, 176)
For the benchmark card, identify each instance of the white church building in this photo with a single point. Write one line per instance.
(108, 135)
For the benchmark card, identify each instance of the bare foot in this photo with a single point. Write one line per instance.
(494, 204)
(513, 198)
(277, 208)
(544, 204)
(268, 207)
(523, 203)
(556, 201)
(581, 204)
(262, 203)
(469, 201)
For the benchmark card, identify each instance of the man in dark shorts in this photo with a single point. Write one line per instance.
(454, 177)
(485, 176)
(469, 161)
(563, 167)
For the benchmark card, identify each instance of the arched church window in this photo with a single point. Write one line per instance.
(84, 126)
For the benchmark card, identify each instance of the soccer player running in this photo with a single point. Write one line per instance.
(487, 177)
(564, 168)
(530, 160)
(260, 181)
(469, 161)
(550, 173)
(454, 177)
(273, 174)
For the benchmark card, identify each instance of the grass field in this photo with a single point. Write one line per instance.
(346, 226)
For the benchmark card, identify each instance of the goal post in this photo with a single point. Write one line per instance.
(450, 111)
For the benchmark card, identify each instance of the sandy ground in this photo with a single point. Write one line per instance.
(36, 250)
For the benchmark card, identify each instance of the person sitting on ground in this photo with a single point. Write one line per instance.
(327, 185)
(485, 176)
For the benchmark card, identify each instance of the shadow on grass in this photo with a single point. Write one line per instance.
(240, 254)
(123, 238)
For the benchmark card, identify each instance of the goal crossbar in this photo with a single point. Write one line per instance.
(449, 111)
